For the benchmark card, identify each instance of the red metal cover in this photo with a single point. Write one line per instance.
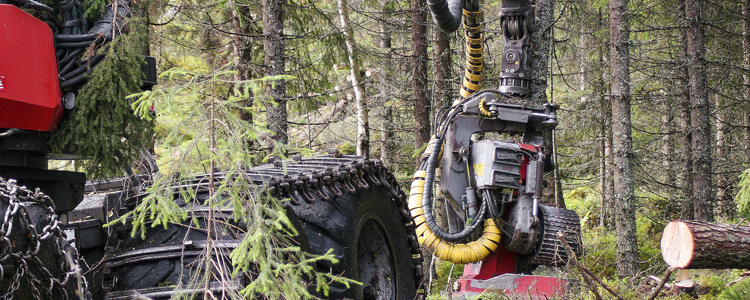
(29, 86)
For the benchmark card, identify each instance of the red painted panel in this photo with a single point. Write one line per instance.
(29, 86)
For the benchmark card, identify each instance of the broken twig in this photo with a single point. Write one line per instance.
(661, 284)
(585, 270)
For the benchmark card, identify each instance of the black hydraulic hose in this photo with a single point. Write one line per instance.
(73, 81)
(68, 61)
(65, 69)
(429, 166)
(75, 44)
(74, 38)
(37, 5)
(80, 78)
(427, 203)
(59, 53)
(446, 13)
(90, 65)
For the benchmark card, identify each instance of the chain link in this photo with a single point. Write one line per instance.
(30, 270)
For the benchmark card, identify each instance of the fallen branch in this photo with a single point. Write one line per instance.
(661, 284)
(585, 270)
(742, 276)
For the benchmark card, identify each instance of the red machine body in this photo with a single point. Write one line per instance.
(29, 86)
(496, 274)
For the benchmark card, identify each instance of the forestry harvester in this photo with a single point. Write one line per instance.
(53, 244)
(492, 189)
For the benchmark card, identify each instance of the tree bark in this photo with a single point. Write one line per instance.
(443, 76)
(699, 114)
(627, 248)
(687, 136)
(273, 45)
(703, 245)
(605, 173)
(667, 146)
(723, 196)
(745, 75)
(539, 53)
(241, 52)
(419, 81)
(386, 115)
(363, 126)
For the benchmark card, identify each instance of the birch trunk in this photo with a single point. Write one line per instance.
(363, 130)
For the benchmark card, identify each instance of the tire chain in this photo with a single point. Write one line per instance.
(322, 178)
(17, 198)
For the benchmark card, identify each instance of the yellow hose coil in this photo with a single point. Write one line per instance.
(454, 252)
(474, 60)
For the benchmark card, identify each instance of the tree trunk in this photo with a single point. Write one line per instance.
(540, 51)
(443, 76)
(667, 146)
(627, 248)
(419, 66)
(703, 245)
(273, 45)
(687, 136)
(699, 114)
(724, 197)
(745, 75)
(241, 52)
(363, 126)
(539, 54)
(386, 115)
(605, 171)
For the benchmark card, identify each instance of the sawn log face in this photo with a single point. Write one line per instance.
(703, 245)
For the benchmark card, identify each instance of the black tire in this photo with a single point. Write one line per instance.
(369, 230)
(368, 238)
(166, 258)
(49, 272)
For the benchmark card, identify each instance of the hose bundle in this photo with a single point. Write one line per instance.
(446, 245)
(447, 15)
(76, 36)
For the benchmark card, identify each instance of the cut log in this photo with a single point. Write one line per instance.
(703, 245)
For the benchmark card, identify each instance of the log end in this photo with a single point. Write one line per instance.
(677, 245)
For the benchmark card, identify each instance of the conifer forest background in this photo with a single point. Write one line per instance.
(654, 100)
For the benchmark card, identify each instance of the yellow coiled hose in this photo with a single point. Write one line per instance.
(458, 253)
(474, 49)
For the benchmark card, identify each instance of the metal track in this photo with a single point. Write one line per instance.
(550, 251)
(318, 178)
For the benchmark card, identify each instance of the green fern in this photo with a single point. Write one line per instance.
(738, 291)
(743, 195)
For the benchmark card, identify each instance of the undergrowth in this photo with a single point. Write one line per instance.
(599, 256)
